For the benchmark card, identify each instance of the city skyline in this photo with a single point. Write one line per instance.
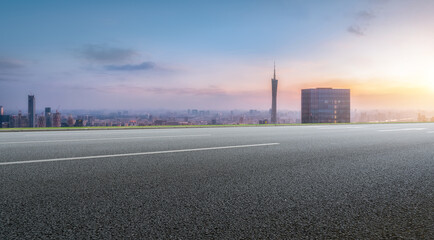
(319, 105)
(215, 56)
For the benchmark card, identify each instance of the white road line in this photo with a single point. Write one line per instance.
(137, 154)
(337, 128)
(103, 139)
(91, 132)
(402, 129)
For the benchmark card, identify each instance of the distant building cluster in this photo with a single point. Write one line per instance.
(124, 118)
(318, 105)
(46, 119)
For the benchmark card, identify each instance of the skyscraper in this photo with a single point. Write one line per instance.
(56, 119)
(273, 97)
(48, 117)
(41, 121)
(325, 105)
(31, 111)
(70, 121)
(4, 119)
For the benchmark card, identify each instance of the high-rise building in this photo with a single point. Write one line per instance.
(41, 121)
(274, 97)
(325, 105)
(48, 117)
(22, 121)
(13, 121)
(57, 119)
(4, 119)
(31, 110)
(70, 121)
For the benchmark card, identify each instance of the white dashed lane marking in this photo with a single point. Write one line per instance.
(402, 129)
(137, 154)
(104, 139)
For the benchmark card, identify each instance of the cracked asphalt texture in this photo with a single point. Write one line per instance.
(325, 181)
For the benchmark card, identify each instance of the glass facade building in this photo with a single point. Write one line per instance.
(325, 105)
(48, 117)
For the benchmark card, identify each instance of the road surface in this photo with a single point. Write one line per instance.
(316, 181)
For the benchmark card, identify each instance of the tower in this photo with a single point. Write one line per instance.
(274, 97)
(31, 110)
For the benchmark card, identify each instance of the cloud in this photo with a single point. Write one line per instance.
(188, 91)
(365, 15)
(84, 88)
(362, 21)
(2, 79)
(105, 54)
(6, 64)
(356, 30)
(379, 1)
(139, 90)
(131, 67)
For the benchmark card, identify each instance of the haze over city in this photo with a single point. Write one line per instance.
(215, 55)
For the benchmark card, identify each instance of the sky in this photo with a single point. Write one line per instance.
(215, 55)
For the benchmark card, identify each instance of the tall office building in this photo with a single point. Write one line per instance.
(23, 121)
(31, 111)
(48, 117)
(325, 105)
(41, 121)
(57, 119)
(273, 97)
(4, 119)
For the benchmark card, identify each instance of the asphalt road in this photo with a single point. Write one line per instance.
(323, 181)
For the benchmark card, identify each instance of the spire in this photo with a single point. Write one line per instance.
(274, 70)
